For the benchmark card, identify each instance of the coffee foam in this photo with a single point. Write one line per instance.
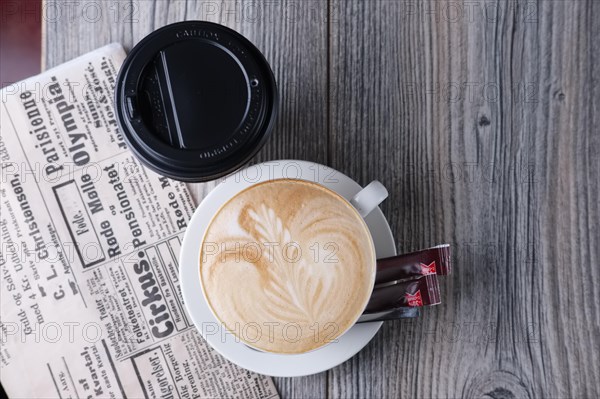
(287, 265)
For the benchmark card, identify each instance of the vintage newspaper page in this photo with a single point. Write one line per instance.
(91, 305)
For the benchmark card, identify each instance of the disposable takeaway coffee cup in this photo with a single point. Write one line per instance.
(195, 101)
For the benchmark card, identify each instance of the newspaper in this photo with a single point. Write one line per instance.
(91, 305)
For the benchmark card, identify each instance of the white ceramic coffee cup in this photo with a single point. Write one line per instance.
(364, 202)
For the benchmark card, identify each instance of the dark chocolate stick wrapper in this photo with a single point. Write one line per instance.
(391, 314)
(434, 260)
(419, 291)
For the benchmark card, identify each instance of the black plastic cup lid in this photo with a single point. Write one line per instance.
(195, 100)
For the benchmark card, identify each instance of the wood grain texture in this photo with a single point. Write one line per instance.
(482, 119)
(484, 127)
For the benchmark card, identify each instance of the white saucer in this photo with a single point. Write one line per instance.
(214, 333)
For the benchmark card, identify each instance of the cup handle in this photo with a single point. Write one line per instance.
(369, 198)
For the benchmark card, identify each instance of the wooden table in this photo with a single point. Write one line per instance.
(483, 120)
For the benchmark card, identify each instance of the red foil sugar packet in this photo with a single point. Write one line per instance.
(435, 260)
(416, 292)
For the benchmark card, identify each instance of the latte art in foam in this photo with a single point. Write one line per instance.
(287, 265)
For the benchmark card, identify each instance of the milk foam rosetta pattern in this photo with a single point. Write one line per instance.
(287, 253)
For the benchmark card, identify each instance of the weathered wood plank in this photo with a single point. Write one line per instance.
(483, 118)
